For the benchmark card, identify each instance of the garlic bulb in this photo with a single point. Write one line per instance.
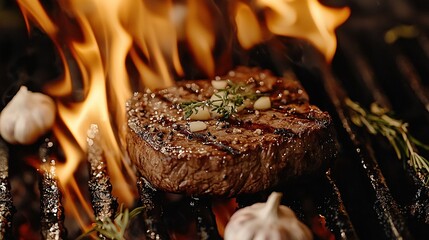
(27, 117)
(268, 220)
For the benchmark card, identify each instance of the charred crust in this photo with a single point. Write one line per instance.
(284, 132)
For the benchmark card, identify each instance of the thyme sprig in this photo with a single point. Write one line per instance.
(114, 230)
(227, 101)
(377, 121)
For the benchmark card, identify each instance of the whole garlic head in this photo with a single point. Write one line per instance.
(26, 117)
(268, 220)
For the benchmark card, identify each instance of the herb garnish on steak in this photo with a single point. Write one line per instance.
(224, 102)
(247, 152)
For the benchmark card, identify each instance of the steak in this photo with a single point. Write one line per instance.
(246, 153)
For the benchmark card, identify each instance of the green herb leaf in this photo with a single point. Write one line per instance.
(227, 100)
(377, 121)
(115, 229)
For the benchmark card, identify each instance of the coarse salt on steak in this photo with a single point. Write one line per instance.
(246, 153)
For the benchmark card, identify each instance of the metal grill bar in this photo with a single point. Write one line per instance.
(419, 207)
(52, 218)
(6, 208)
(412, 78)
(334, 210)
(205, 219)
(152, 212)
(100, 188)
(363, 72)
(368, 65)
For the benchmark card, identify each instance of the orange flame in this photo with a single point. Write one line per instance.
(105, 38)
(199, 30)
(307, 19)
(249, 32)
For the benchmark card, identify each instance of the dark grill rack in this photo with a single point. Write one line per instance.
(367, 193)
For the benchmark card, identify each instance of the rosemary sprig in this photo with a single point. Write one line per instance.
(227, 101)
(114, 230)
(377, 121)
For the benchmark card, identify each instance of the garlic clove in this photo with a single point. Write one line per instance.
(219, 84)
(262, 103)
(216, 98)
(27, 117)
(214, 114)
(197, 126)
(203, 113)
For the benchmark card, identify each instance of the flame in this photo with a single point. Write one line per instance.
(249, 32)
(104, 39)
(223, 210)
(307, 19)
(33, 10)
(201, 37)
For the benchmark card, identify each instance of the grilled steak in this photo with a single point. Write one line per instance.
(246, 153)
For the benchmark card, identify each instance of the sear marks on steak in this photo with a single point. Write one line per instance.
(244, 154)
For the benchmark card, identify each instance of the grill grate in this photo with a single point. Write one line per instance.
(366, 194)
